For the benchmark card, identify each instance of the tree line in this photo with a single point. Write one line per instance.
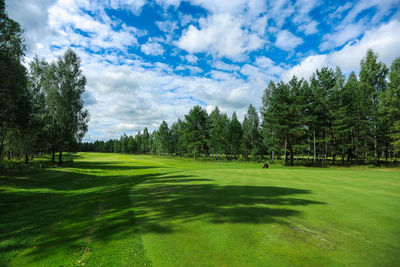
(328, 117)
(41, 106)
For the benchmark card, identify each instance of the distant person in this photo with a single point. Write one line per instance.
(265, 166)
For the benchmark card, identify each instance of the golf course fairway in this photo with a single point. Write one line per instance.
(132, 210)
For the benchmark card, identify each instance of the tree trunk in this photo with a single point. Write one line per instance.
(291, 156)
(386, 152)
(1, 145)
(53, 155)
(60, 156)
(315, 151)
(365, 151)
(285, 149)
(26, 158)
(326, 147)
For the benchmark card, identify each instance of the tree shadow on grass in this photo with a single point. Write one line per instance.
(166, 199)
(67, 209)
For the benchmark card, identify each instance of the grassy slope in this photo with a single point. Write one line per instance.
(120, 210)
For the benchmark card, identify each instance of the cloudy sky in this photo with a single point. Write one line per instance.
(148, 61)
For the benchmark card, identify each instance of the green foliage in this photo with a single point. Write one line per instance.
(164, 137)
(390, 105)
(218, 131)
(14, 96)
(196, 131)
(234, 136)
(372, 83)
(251, 132)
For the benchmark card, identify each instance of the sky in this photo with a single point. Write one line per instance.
(149, 61)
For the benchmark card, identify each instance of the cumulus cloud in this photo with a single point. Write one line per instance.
(152, 48)
(287, 40)
(167, 26)
(264, 62)
(220, 35)
(220, 65)
(191, 58)
(135, 6)
(309, 27)
(385, 40)
(306, 67)
(234, 7)
(191, 69)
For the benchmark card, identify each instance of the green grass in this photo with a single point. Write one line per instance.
(127, 210)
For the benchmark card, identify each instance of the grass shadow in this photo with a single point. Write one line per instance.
(168, 198)
(67, 208)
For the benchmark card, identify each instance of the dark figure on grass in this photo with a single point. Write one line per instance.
(265, 166)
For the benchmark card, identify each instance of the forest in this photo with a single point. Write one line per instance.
(41, 108)
(330, 117)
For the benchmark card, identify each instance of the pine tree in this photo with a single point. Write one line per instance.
(251, 133)
(372, 82)
(351, 109)
(218, 124)
(269, 129)
(234, 136)
(196, 131)
(390, 106)
(164, 137)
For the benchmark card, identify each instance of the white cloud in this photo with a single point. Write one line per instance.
(135, 6)
(259, 25)
(385, 40)
(220, 65)
(191, 58)
(192, 69)
(309, 27)
(264, 62)
(302, 17)
(185, 19)
(152, 48)
(220, 35)
(168, 3)
(306, 67)
(67, 17)
(287, 40)
(351, 26)
(234, 7)
(279, 11)
(338, 38)
(167, 26)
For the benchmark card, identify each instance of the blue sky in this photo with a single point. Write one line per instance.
(148, 61)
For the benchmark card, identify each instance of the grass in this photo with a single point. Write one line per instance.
(126, 210)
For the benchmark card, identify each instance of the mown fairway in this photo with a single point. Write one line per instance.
(126, 210)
